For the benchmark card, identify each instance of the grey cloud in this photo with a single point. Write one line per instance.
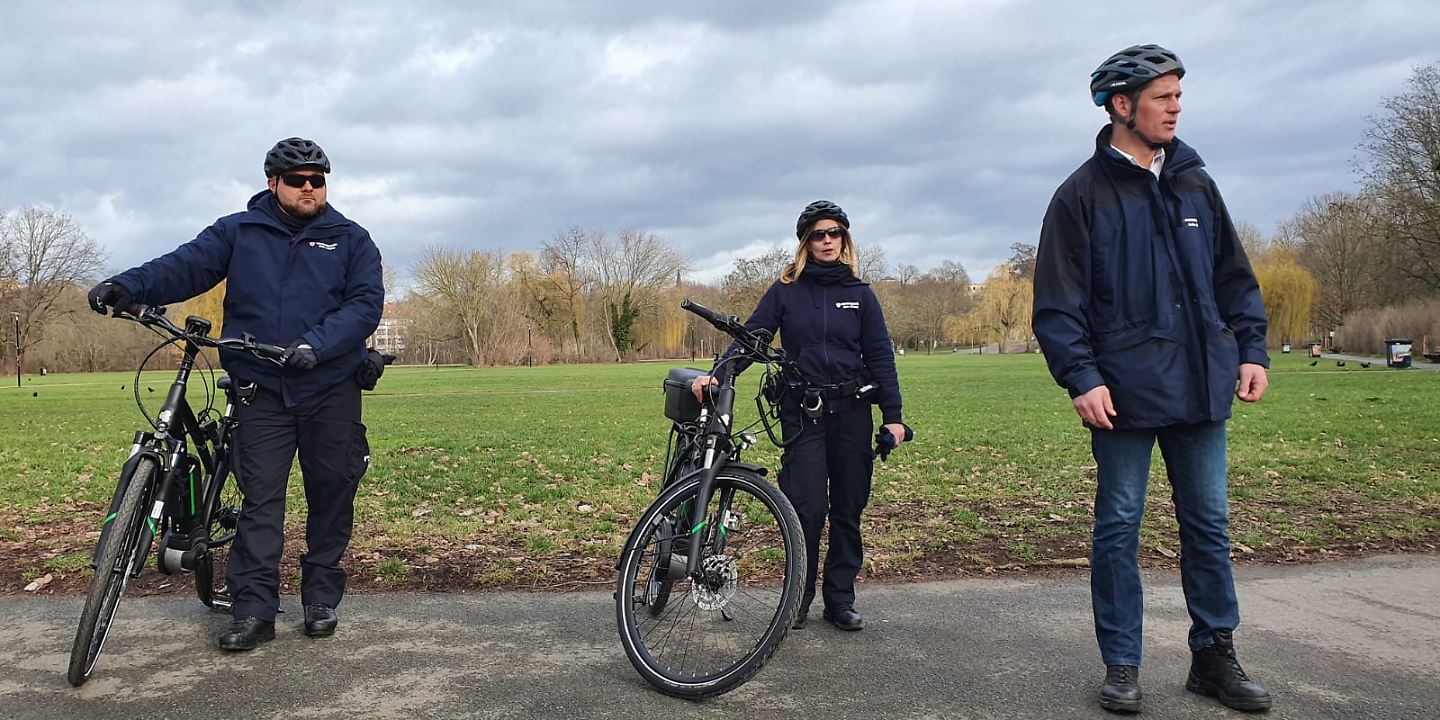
(943, 127)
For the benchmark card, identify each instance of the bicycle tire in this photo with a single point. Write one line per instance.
(739, 639)
(223, 519)
(109, 582)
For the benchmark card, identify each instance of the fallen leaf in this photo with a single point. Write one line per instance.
(420, 512)
(1242, 547)
(39, 582)
(1167, 552)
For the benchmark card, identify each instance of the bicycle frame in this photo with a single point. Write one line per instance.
(716, 417)
(176, 434)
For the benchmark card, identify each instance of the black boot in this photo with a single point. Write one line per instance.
(845, 617)
(1215, 671)
(320, 620)
(246, 633)
(1121, 690)
(802, 617)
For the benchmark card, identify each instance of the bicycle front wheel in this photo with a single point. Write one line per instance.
(695, 637)
(116, 562)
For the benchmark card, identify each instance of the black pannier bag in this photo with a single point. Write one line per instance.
(680, 403)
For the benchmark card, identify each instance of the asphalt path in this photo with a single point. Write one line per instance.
(1354, 639)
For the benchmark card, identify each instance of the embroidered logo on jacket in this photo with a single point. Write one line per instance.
(324, 246)
(848, 305)
(1191, 222)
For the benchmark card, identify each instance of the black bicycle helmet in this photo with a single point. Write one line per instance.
(820, 210)
(292, 153)
(1130, 69)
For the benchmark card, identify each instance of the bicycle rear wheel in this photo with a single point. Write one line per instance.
(704, 637)
(210, 568)
(113, 568)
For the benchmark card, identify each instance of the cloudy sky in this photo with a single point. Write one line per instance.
(942, 127)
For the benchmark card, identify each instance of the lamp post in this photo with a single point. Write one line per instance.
(16, 317)
(529, 348)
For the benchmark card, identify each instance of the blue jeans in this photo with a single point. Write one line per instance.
(1196, 465)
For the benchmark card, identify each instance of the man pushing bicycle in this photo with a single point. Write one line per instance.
(305, 277)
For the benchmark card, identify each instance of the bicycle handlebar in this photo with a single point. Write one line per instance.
(754, 342)
(154, 316)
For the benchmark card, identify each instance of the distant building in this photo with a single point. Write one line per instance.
(389, 337)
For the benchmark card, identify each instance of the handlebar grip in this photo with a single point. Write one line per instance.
(713, 317)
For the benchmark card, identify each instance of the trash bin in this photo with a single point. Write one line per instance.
(1315, 349)
(1285, 348)
(1397, 352)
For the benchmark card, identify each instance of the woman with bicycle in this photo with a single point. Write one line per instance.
(832, 327)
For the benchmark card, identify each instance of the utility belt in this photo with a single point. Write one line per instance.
(814, 399)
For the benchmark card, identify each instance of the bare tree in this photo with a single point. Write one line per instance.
(462, 293)
(1022, 261)
(565, 271)
(632, 270)
(1251, 239)
(872, 265)
(751, 277)
(47, 254)
(1402, 173)
(951, 271)
(1339, 246)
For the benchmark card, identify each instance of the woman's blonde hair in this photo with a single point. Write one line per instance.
(802, 255)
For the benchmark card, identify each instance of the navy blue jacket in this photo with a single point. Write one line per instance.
(322, 284)
(1142, 285)
(831, 326)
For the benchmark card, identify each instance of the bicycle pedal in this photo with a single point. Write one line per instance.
(734, 522)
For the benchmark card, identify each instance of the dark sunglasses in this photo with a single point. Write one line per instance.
(298, 181)
(834, 232)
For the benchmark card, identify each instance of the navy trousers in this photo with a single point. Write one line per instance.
(826, 474)
(334, 454)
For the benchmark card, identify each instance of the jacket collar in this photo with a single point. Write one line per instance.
(258, 211)
(1179, 157)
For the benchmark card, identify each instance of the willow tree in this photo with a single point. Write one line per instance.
(1288, 290)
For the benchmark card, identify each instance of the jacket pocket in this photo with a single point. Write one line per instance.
(1149, 381)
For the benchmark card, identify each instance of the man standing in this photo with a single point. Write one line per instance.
(303, 276)
(1148, 313)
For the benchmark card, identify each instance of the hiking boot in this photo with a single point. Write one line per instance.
(1215, 671)
(1121, 690)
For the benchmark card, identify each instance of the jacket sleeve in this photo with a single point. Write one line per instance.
(766, 317)
(1237, 292)
(346, 329)
(1062, 291)
(182, 273)
(879, 356)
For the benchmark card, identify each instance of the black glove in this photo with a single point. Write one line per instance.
(109, 295)
(885, 442)
(372, 368)
(300, 356)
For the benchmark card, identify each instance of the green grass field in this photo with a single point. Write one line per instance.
(530, 477)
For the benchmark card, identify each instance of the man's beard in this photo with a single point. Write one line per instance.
(301, 211)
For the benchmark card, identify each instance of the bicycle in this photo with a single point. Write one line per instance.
(697, 603)
(173, 486)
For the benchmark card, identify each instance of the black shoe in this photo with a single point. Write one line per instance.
(1215, 671)
(246, 633)
(1121, 690)
(320, 620)
(845, 617)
